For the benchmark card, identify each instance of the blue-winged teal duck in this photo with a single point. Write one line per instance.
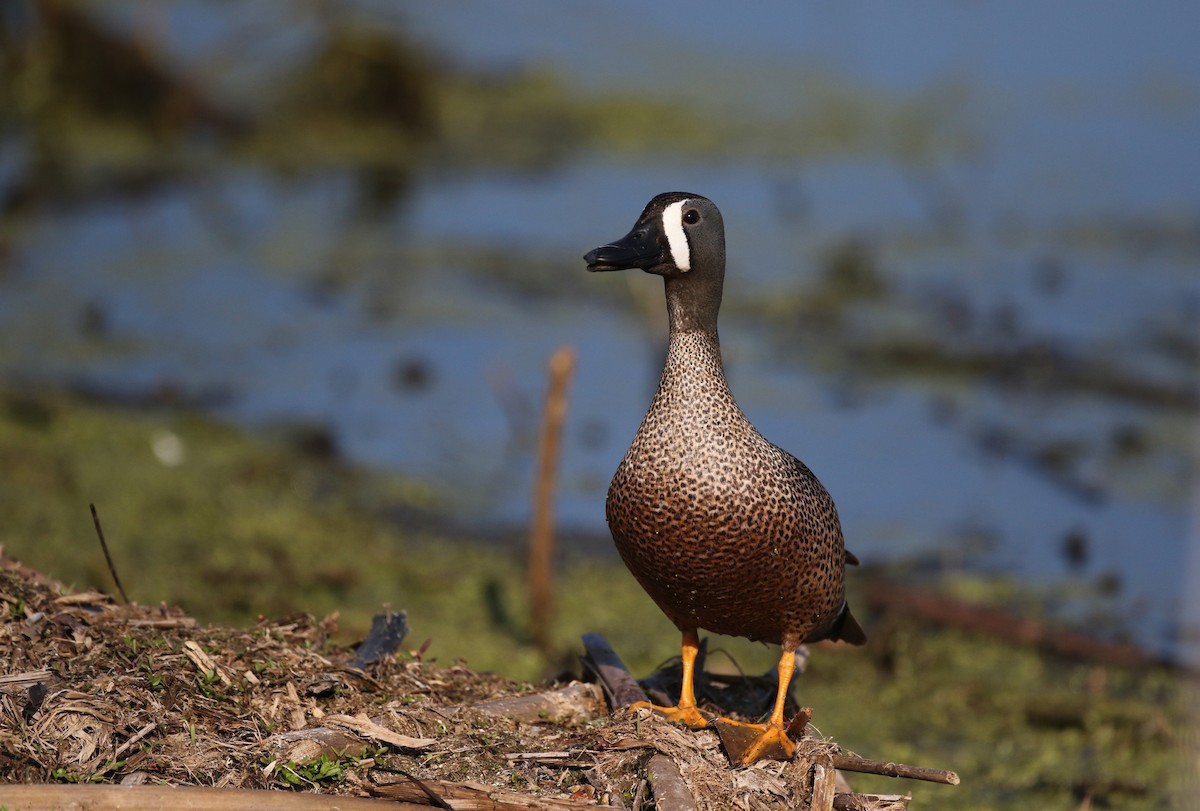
(723, 529)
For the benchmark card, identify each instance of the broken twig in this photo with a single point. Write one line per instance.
(153, 798)
(104, 545)
(824, 784)
(399, 786)
(669, 789)
(853, 763)
(541, 541)
(618, 683)
(380, 734)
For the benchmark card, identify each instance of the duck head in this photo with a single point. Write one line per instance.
(677, 233)
(681, 237)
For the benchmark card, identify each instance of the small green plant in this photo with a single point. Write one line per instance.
(208, 682)
(323, 771)
(64, 775)
(131, 643)
(155, 680)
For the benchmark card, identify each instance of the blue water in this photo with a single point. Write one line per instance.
(1065, 127)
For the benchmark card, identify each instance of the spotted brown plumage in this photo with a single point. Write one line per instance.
(723, 529)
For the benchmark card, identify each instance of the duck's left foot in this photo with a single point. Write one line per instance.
(750, 743)
(686, 714)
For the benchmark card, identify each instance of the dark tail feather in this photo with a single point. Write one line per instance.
(847, 628)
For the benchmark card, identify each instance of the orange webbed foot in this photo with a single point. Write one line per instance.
(750, 743)
(686, 715)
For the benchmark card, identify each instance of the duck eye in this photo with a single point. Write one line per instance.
(692, 216)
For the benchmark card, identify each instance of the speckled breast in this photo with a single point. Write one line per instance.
(727, 532)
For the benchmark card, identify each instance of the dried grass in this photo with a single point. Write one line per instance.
(92, 691)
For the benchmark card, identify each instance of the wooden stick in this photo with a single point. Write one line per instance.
(104, 545)
(174, 622)
(824, 785)
(669, 789)
(541, 540)
(639, 796)
(26, 679)
(141, 733)
(374, 732)
(431, 796)
(52, 797)
(853, 763)
(462, 796)
(619, 684)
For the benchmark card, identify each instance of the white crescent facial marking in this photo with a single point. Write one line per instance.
(672, 219)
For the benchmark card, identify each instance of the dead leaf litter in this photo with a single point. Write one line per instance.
(96, 692)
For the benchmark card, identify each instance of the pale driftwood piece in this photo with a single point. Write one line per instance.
(871, 802)
(824, 779)
(174, 622)
(373, 731)
(16, 682)
(141, 733)
(669, 789)
(561, 759)
(463, 796)
(852, 763)
(84, 598)
(571, 704)
(204, 662)
(619, 684)
(341, 734)
(541, 757)
(57, 796)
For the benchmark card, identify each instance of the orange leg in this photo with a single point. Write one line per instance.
(768, 740)
(686, 711)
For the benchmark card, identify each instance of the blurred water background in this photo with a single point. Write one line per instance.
(963, 280)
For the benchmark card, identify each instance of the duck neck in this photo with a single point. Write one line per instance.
(693, 303)
(693, 370)
(694, 354)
